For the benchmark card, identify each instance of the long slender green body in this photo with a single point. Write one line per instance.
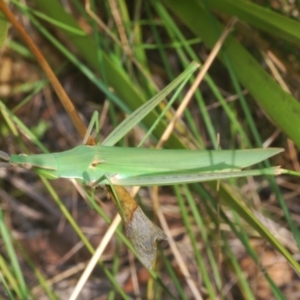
(135, 166)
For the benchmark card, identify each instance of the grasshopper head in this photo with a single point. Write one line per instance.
(44, 164)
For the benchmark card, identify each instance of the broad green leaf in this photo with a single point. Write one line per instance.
(261, 17)
(267, 93)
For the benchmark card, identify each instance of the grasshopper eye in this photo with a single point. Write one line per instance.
(96, 162)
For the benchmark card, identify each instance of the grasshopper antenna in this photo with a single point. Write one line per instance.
(5, 157)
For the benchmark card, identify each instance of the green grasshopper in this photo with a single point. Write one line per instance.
(105, 164)
(108, 165)
(93, 165)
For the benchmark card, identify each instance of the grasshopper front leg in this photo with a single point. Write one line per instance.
(93, 123)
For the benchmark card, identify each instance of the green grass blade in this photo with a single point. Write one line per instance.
(82, 236)
(235, 202)
(117, 78)
(145, 109)
(8, 279)
(261, 17)
(173, 275)
(12, 118)
(24, 293)
(193, 205)
(251, 75)
(209, 285)
(237, 228)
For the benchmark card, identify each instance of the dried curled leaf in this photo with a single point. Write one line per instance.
(139, 229)
(143, 235)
